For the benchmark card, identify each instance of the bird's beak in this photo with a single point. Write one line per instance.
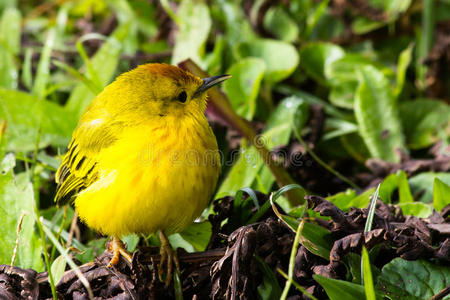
(210, 82)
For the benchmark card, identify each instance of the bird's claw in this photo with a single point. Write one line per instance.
(169, 258)
(118, 248)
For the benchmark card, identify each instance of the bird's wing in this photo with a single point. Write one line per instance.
(79, 168)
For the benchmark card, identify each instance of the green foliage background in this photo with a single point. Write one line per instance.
(368, 74)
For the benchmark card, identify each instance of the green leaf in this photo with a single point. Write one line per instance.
(342, 75)
(376, 113)
(10, 31)
(423, 120)
(418, 209)
(93, 249)
(317, 57)
(391, 8)
(388, 186)
(343, 198)
(413, 280)
(404, 192)
(104, 62)
(43, 70)
(269, 288)
(362, 25)
(193, 238)
(243, 87)
(26, 115)
(243, 172)
(278, 22)
(349, 199)
(367, 272)
(291, 110)
(193, 29)
(423, 183)
(58, 267)
(340, 128)
(17, 197)
(339, 289)
(131, 241)
(281, 58)
(441, 194)
(317, 240)
(403, 62)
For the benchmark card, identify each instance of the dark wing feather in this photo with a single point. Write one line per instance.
(79, 168)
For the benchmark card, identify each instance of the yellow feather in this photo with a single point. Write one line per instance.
(140, 159)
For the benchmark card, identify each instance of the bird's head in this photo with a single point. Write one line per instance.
(158, 91)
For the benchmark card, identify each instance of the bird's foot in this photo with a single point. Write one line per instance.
(117, 247)
(169, 258)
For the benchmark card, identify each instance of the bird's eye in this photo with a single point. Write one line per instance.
(182, 97)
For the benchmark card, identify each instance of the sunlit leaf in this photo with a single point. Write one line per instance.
(193, 29)
(281, 58)
(10, 31)
(243, 87)
(377, 116)
(441, 194)
(413, 280)
(17, 197)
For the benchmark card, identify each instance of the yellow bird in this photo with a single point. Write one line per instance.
(143, 157)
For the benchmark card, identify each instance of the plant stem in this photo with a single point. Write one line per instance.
(322, 163)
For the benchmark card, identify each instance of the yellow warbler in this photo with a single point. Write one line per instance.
(143, 157)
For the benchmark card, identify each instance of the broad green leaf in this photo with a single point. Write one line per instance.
(193, 238)
(413, 280)
(131, 241)
(441, 194)
(278, 22)
(10, 31)
(342, 76)
(17, 197)
(367, 272)
(317, 57)
(343, 198)
(423, 183)
(418, 209)
(26, 115)
(281, 58)
(404, 193)
(43, 70)
(349, 199)
(376, 113)
(339, 289)
(423, 120)
(193, 30)
(104, 63)
(243, 87)
(317, 240)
